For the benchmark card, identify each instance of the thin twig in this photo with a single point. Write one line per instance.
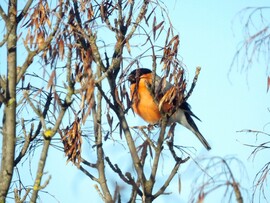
(172, 174)
(87, 173)
(198, 69)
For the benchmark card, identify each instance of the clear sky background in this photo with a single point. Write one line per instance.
(225, 100)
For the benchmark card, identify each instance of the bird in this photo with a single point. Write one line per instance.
(148, 109)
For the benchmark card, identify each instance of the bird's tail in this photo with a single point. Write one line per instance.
(192, 126)
(184, 118)
(202, 139)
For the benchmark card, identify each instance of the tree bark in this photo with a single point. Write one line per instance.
(9, 120)
(40, 170)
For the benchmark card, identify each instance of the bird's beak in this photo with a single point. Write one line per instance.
(131, 79)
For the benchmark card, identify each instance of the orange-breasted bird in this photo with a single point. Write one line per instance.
(145, 106)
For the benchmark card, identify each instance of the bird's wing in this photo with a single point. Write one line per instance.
(161, 85)
(187, 109)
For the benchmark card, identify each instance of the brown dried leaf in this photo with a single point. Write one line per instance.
(153, 26)
(160, 31)
(102, 11)
(179, 184)
(158, 25)
(176, 37)
(90, 12)
(128, 47)
(40, 39)
(172, 98)
(61, 48)
(39, 91)
(88, 99)
(51, 80)
(72, 141)
(167, 37)
(201, 197)
(49, 22)
(27, 38)
(31, 40)
(109, 119)
(57, 98)
(146, 20)
(176, 43)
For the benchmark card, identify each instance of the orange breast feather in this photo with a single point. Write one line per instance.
(143, 103)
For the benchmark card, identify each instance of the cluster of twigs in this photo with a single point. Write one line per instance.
(261, 178)
(217, 175)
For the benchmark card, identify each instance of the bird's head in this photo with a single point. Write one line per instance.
(137, 73)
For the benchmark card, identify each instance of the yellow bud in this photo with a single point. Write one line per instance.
(48, 133)
(11, 101)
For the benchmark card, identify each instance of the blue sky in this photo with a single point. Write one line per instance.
(226, 101)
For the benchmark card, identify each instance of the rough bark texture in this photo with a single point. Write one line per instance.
(9, 121)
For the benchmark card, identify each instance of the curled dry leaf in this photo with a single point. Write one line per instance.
(51, 80)
(72, 141)
(88, 95)
(171, 99)
(40, 39)
(61, 48)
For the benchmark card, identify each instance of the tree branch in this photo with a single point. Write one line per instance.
(131, 145)
(198, 69)
(88, 174)
(36, 110)
(26, 143)
(24, 11)
(40, 170)
(158, 150)
(173, 172)
(138, 19)
(3, 15)
(98, 140)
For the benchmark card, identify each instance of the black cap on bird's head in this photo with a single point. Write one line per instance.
(137, 73)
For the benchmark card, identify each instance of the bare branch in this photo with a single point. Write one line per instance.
(3, 14)
(138, 20)
(24, 11)
(198, 69)
(88, 174)
(98, 141)
(159, 148)
(8, 31)
(96, 54)
(87, 163)
(257, 39)
(36, 110)
(17, 196)
(40, 171)
(26, 143)
(129, 16)
(131, 145)
(117, 170)
(171, 176)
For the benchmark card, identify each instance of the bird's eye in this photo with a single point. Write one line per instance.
(132, 79)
